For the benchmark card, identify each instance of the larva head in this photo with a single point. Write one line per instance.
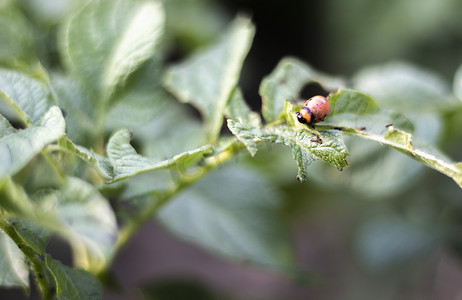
(304, 115)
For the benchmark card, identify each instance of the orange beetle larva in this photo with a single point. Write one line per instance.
(314, 110)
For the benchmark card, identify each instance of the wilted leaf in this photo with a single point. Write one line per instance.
(207, 79)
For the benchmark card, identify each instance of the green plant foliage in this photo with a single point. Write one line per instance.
(402, 141)
(239, 209)
(126, 162)
(101, 125)
(19, 148)
(27, 96)
(80, 121)
(16, 36)
(86, 219)
(458, 83)
(13, 264)
(72, 283)
(107, 40)
(208, 79)
(285, 83)
(304, 144)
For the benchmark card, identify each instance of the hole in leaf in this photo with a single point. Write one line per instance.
(312, 89)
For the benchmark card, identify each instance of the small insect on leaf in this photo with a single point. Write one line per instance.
(314, 110)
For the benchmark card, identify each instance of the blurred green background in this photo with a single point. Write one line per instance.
(385, 227)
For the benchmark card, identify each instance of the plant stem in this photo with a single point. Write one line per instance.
(132, 228)
(34, 258)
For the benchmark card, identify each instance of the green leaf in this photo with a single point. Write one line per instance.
(174, 132)
(28, 97)
(13, 266)
(349, 101)
(238, 109)
(16, 36)
(74, 284)
(457, 86)
(208, 78)
(353, 109)
(137, 109)
(77, 212)
(80, 117)
(234, 212)
(404, 88)
(107, 40)
(5, 127)
(306, 145)
(33, 235)
(87, 221)
(417, 150)
(142, 100)
(17, 149)
(286, 82)
(127, 162)
(100, 163)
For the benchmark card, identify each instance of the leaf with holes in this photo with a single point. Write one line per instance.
(286, 82)
(306, 145)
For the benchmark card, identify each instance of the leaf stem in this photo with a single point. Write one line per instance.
(34, 258)
(133, 227)
(53, 163)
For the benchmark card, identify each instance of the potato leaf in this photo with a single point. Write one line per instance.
(234, 212)
(417, 150)
(74, 284)
(126, 162)
(457, 86)
(208, 78)
(306, 145)
(29, 98)
(107, 40)
(17, 149)
(13, 266)
(286, 82)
